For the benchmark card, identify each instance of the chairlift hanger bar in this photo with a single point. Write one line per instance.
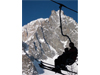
(61, 26)
(61, 21)
(64, 6)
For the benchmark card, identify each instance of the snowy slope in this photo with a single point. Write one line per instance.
(51, 61)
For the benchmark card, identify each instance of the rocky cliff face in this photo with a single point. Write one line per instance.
(43, 36)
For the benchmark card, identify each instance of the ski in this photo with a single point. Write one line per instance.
(46, 63)
(69, 71)
(43, 65)
(50, 68)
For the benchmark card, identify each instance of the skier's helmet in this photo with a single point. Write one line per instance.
(66, 49)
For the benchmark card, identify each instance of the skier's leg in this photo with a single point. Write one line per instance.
(57, 66)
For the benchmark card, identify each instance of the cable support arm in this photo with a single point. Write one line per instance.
(61, 24)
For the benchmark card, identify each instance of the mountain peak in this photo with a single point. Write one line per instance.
(42, 38)
(57, 12)
(62, 12)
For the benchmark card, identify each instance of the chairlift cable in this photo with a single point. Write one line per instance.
(65, 6)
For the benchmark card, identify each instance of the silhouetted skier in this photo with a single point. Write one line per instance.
(67, 58)
(72, 54)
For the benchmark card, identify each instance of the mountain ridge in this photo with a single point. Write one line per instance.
(43, 36)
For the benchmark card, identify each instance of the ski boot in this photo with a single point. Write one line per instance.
(57, 69)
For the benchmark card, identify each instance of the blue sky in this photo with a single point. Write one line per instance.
(34, 9)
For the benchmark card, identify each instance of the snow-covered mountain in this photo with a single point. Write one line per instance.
(42, 39)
